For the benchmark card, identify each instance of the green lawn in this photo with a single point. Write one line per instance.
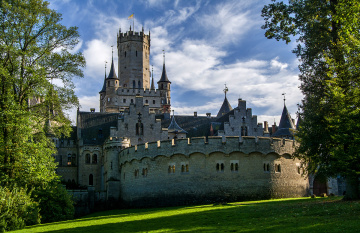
(284, 215)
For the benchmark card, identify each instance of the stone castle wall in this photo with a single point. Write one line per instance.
(220, 169)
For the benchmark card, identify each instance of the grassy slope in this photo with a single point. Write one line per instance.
(285, 215)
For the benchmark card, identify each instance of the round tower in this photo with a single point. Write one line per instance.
(164, 88)
(134, 52)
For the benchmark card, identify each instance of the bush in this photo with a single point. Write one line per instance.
(17, 209)
(55, 203)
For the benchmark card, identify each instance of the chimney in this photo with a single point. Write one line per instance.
(273, 129)
(208, 115)
(92, 109)
(195, 114)
(266, 127)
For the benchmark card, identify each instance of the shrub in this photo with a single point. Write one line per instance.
(17, 209)
(55, 203)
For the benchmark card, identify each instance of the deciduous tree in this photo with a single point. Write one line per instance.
(328, 48)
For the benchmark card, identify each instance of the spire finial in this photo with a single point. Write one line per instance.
(163, 56)
(225, 89)
(105, 68)
(284, 97)
(112, 52)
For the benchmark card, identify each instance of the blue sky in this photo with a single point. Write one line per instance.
(207, 42)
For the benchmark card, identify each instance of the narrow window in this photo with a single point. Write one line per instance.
(108, 83)
(73, 159)
(94, 159)
(222, 167)
(132, 101)
(236, 167)
(69, 160)
(217, 167)
(187, 167)
(173, 168)
(169, 169)
(183, 168)
(153, 101)
(136, 53)
(232, 167)
(91, 179)
(146, 101)
(268, 167)
(125, 53)
(139, 84)
(124, 100)
(133, 83)
(87, 158)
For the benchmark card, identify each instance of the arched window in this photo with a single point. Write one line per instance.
(69, 160)
(236, 167)
(91, 179)
(139, 128)
(183, 168)
(94, 159)
(232, 167)
(87, 158)
(222, 167)
(217, 167)
(267, 167)
(187, 168)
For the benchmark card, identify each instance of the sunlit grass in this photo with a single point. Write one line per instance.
(281, 215)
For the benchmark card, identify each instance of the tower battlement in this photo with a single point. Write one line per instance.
(133, 36)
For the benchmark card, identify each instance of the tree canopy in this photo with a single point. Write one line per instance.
(37, 65)
(327, 33)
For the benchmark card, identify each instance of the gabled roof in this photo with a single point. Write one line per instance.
(174, 127)
(164, 77)
(112, 74)
(286, 124)
(225, 108)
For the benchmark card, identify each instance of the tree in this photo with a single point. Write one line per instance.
(327, 33)
(36, 71)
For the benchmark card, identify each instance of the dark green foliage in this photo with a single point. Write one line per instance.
(34, 52)
(328, 34)
(54, 202)
(17, 209)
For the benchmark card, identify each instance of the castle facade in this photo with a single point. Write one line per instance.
(133, 150)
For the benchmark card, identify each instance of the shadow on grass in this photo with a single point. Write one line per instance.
(273, 216)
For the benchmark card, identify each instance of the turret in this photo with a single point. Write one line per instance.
(164, 87)
(225, 107)
(108, 92)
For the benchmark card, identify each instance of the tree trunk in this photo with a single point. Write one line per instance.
(352, 188)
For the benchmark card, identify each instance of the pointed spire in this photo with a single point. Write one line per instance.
(225, 107)
(174, 127)
(152, 78)
(112, 73)
(286, 124)
(164, 77)
(104, 85)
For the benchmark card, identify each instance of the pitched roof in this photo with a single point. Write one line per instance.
(174, 127)
(285, 125)
(152, 84)
(164, 77)
(225, 108)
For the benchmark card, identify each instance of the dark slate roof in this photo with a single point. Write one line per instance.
(152, 84)
(286, 125)
(164, 77)
(104, 85)
(112, 74)
(174, 127)
(195, 126)
(95, 126)
(225, 108)
(73, 134)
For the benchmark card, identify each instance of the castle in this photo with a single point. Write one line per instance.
(134, 150)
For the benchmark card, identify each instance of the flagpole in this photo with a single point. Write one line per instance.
(134, 22)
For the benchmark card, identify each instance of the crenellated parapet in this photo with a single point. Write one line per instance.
(226, 145)
(133, 36)
(138, 91)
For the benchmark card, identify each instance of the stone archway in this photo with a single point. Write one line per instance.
(319, 186)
